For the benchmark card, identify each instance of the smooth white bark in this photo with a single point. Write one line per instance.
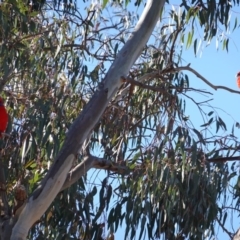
(82, 126)
(35, 208)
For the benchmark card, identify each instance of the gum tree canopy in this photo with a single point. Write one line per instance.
(91, 85)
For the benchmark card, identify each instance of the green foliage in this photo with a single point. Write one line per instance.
(51, 67)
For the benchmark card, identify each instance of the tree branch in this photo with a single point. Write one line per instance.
(93, 162)
(215, 87)
(224, 229)
(157, 89)
(223, 159)
(81, 128)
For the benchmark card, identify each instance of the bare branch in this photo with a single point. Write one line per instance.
(91, 161)
(215, 87)
(142, 85)
(224, 229)
(157, 89)
(223, 159)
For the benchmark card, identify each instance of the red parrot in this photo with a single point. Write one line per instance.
(238, 79)
(3, 117)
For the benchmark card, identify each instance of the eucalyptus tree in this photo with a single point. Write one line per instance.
(80, 80)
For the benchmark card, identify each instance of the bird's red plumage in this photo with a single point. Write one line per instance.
(238, 81)
(3, 117)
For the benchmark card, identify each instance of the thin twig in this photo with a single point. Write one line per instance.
(223, 159)
(142, 85)
(224, 229)
(173, 44)
(188, 68)
(157, 74)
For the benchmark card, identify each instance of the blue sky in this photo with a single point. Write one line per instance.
(220, 68)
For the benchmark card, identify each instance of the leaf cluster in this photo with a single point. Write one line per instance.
(50, 68)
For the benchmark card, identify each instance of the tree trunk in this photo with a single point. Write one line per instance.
(42, 197)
